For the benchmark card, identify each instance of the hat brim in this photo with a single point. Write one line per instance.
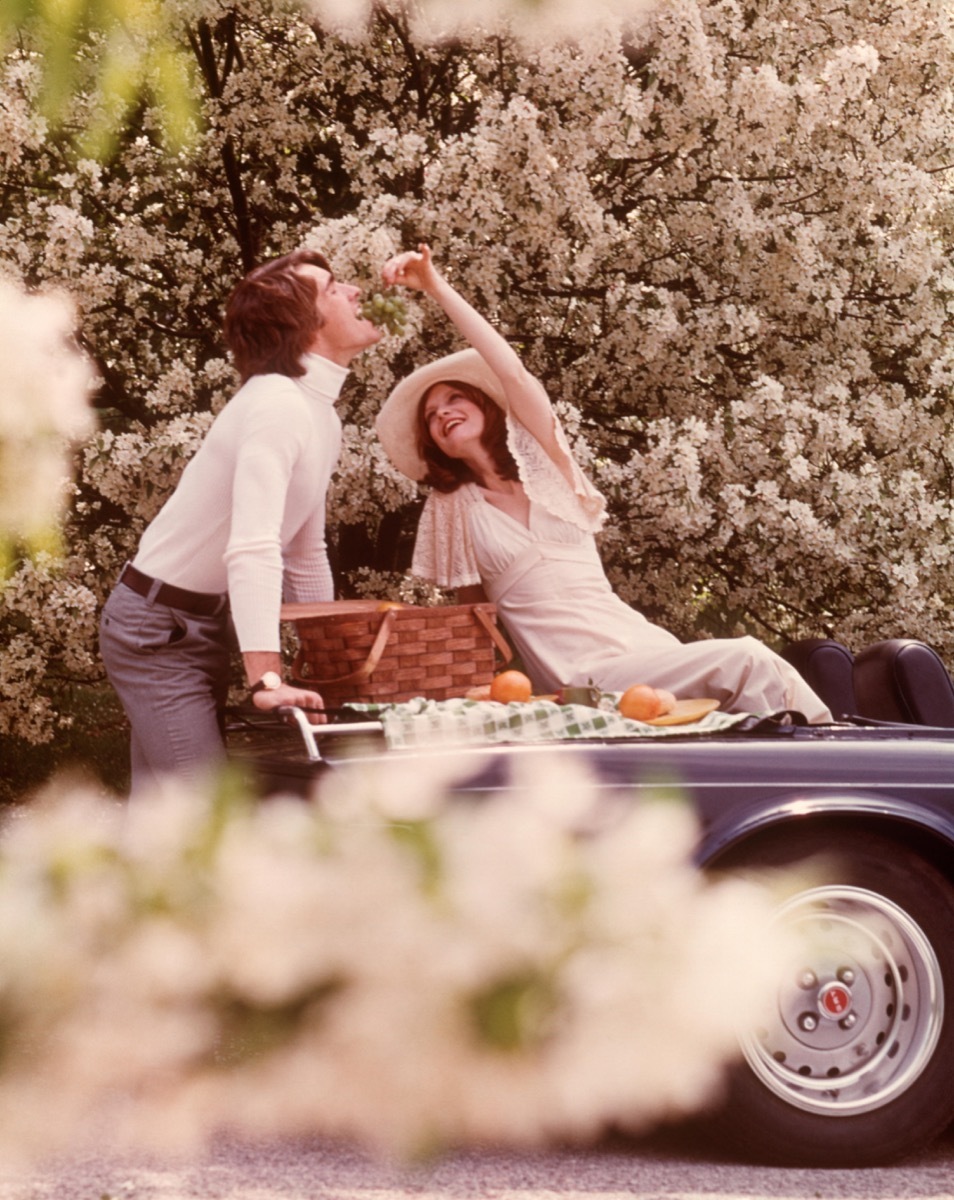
(396, 423)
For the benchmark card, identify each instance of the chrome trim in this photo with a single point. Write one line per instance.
(311, 733)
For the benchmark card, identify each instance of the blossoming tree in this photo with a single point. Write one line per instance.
(718, 231)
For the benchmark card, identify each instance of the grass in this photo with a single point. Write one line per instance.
(95, 746)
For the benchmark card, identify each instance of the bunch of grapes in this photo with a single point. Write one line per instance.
(387, 310)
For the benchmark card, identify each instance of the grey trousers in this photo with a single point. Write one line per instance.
(170, 669)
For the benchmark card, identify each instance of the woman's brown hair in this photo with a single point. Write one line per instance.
(446, 474)
(271, 318)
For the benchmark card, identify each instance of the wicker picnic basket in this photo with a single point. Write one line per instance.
(366, 650)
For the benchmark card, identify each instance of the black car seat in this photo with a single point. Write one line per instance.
(827, 667)
(903, 680)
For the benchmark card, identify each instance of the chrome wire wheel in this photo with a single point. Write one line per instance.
(858, 1018)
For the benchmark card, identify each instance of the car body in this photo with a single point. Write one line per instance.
(854, 1065)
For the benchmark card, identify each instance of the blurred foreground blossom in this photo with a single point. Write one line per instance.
(43, 409)
(123, 50)
(535, 20)
(532, 966)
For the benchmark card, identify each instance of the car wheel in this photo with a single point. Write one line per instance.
(852, 1066)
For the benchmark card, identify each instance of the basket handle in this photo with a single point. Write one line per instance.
(374, 655)
(483, 616)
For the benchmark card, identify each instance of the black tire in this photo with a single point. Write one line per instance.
(853, 1068)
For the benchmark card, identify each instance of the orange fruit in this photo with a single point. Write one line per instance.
(640, 703)
(667, 700)
(510, 685)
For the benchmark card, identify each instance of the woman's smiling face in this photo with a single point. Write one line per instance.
(453, 420)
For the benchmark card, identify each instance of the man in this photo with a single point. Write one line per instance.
(244, 528)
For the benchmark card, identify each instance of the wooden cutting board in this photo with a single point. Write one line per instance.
(685, 712)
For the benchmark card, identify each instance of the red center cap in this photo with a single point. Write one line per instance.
(834, 1000)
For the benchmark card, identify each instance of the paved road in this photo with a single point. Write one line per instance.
(667, 1168)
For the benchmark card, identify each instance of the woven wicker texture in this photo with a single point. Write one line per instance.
(399, 653)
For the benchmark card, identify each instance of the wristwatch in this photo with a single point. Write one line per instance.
(270, 682)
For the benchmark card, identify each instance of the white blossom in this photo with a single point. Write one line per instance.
(717, 233)
(45, 407)
(510, 970)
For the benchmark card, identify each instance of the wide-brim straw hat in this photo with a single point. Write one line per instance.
(396, 423)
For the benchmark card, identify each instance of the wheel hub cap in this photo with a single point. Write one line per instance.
(834, 1000)
(858, 1018)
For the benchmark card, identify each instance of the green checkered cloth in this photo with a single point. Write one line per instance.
(419, 721)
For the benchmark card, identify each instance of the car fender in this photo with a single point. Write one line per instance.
(918, 823)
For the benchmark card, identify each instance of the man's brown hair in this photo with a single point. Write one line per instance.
(271, 318)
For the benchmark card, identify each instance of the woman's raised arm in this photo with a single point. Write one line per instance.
(525, 394)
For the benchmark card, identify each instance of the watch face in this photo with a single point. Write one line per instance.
(271, 681)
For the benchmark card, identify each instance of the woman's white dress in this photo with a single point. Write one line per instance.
(567, 624)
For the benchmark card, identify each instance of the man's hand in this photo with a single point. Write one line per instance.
(288, 695)
(259, 663)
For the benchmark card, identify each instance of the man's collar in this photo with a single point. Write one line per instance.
(322, 377)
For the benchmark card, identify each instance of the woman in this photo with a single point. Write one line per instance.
(512, 518)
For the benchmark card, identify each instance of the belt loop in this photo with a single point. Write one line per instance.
(154, 587)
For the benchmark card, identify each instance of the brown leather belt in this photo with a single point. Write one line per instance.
(200, 604)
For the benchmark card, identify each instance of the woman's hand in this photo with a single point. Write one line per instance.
(413, 269)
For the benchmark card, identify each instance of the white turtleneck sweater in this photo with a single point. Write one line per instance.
(248, 514)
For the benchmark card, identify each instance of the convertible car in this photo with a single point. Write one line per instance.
(853, 1066)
